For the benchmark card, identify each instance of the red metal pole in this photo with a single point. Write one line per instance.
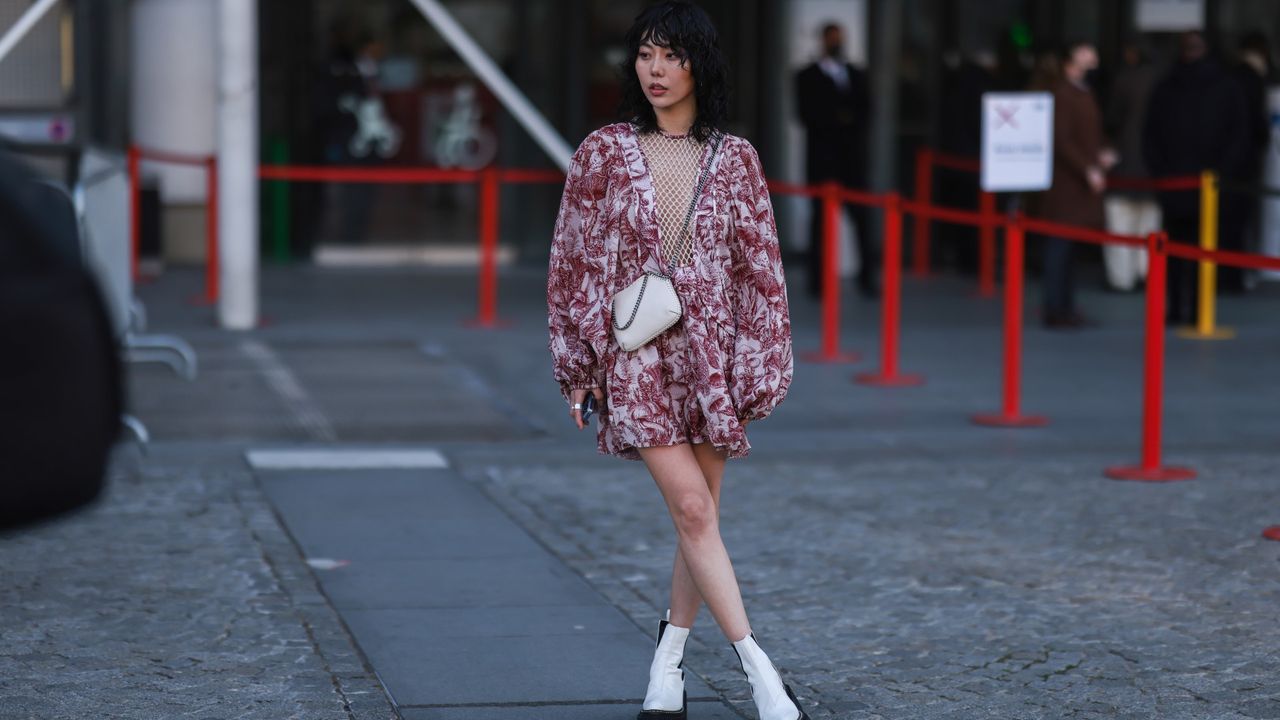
(1153, 386)
(488, 300)
(1011, 415)
(135, 211)
(212, 259)
(987, 245)
(924, 196)
(830, 272)
(890, 308)
(830, 352)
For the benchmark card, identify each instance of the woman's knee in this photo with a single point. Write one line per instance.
(694, 514)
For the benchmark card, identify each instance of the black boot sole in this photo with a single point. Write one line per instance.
(803, 715)
(681, 714)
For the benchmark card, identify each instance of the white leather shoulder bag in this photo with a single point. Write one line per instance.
(654, 304)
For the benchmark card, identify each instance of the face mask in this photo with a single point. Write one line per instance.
(1091, 78)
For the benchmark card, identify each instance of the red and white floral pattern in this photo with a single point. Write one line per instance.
(729, 359)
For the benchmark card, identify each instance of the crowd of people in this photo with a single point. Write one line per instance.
(1148, 118)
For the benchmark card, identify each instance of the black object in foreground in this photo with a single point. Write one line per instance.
(61, 389)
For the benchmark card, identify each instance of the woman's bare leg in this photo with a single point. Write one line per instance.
(693, 510)
(685, 598)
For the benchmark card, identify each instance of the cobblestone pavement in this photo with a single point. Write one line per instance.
(916, 589)
(178, 596)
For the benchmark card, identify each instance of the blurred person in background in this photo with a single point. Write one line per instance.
(834, 103)
(1129, 212)
(1196, 120)
(1080, 163)
(681, 401)
(1240, 211)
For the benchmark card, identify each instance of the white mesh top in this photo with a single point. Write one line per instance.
(675, 162)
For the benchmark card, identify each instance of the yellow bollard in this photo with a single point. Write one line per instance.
(1205, 327)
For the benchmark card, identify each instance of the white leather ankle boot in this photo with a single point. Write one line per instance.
(774, 700)
(665, 699)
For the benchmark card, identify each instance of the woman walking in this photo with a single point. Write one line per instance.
(668, 202)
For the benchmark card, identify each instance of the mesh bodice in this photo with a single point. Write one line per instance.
(675, 162)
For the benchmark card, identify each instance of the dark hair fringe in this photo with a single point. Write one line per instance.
(685, 28)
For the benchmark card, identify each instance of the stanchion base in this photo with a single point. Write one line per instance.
(201, 301)
(817, 356)
(496, 324)
(1191, 333)
(1158, 474)
(881, 380)
(1272, 533)
(1012, 421)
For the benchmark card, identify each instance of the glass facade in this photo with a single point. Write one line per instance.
(563, 54)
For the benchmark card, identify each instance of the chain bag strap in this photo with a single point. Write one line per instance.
(658, 318)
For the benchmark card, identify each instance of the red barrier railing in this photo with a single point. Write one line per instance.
(1150, 469)
(1011, 413)
(891, 288)
(927, 159)
(136, 154)
(489, 182)
(923, 212)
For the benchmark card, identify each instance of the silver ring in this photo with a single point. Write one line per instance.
(576, 406)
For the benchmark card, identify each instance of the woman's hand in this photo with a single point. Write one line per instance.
(576, 408)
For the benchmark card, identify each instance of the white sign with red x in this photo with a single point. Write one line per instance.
(1017, 141)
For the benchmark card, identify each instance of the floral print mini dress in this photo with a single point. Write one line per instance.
(728, 359)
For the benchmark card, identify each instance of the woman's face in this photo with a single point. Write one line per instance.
(667, 82)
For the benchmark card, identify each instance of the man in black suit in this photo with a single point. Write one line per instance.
(835, 107)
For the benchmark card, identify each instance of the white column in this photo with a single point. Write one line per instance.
(238, 163)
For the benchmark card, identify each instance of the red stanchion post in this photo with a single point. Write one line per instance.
(830, 352)
(924, 196)
(1011, 415)
(488, 285)
(135, 210)
(211, 265)
(987, 245)
(1153, 386)
(890, 308)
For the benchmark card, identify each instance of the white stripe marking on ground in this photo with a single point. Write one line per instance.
(285, 383)
(353, 459)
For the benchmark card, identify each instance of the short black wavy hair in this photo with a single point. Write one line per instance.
(686, 29)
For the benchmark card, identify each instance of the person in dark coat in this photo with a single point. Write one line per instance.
(1196, 121)
(835, 108)
(1080, 162)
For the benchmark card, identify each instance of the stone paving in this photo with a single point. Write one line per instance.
(990, 590)
(178, 596)
(897, 562)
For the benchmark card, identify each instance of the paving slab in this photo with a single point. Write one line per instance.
(615, 711)
(445, 625)
(363, 515)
